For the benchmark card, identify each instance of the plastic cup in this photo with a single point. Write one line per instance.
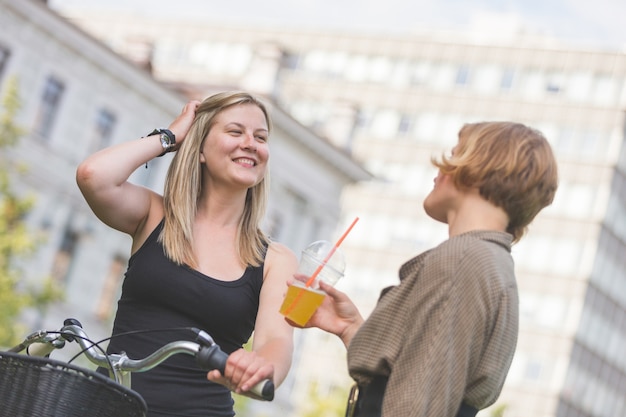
(301, 300)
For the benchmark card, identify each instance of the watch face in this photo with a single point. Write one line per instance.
(165, 141)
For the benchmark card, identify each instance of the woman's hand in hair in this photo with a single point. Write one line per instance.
(181, 125)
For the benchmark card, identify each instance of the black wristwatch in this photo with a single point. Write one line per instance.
(168, 139)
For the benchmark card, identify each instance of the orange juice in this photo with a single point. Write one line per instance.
(300, 303)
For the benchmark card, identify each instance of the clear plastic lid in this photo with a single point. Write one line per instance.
(320, 250)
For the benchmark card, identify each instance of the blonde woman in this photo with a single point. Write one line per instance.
(198, 257)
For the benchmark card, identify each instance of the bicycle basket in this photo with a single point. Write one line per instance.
(34, 386)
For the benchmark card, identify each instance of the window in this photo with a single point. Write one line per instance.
(199, 53)
(356, 68)
(579, 86)
(290, 60)
(421, 73)
(506, 82)
(401, 74)
(451, 124)
(532, 371)
(364, 119)
(385, 124)
(4, 58)
(444, 77)
(427, 126)
(310, 113)
(302, 110)
(61, 265)
(110, 289)
(605, 91)
(219, 52)
(485, 79)
(103, 129)
(404, 125)
(240, 57)
(463, 75)
(567, 142)
(336, 64)
(534, 82)
(50, 99)
(555, 82)
(380, 68)
(314, 61)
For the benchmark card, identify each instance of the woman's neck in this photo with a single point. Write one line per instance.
(476, 213)
(221, 208)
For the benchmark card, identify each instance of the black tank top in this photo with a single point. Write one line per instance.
(159, 294)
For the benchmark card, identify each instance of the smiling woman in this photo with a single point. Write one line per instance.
(198, 257)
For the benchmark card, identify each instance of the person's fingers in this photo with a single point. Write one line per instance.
(330, 290)
(191, 105)
(217, 377)
(259, 371)
(246, 369)
(235, 367)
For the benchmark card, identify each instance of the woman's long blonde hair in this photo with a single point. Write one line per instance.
(183, 186)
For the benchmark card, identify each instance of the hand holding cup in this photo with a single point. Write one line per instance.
(320, 261)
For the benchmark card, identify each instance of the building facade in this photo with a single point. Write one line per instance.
(393, 102)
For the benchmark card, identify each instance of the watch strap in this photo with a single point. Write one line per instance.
(168, 139)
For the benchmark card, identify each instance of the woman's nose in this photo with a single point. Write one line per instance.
(249, 142)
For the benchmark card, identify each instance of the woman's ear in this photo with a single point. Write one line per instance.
(202, 159)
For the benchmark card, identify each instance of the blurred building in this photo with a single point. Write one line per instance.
(395, 101)
(79, 96)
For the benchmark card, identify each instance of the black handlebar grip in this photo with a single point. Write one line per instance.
(213, 357)
(71, 322)
(265, 389)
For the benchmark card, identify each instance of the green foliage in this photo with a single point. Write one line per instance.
(498, 410)
(16, 241)
(10, 132)
(331, 405)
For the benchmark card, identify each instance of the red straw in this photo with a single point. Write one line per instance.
(334, 248)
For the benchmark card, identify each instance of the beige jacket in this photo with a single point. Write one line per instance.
(447, 332)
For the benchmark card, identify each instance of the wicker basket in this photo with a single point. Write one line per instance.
(33, 386)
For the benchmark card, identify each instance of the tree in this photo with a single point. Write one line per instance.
(16, 241)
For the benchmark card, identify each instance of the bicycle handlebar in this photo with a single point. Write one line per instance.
(207, 353)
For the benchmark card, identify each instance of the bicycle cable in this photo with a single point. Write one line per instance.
(97, 344)
(93, 344)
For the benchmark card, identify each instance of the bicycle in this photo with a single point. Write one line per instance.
(34, 384)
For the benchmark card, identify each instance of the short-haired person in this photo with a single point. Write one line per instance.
(198, 257)
(440, 343)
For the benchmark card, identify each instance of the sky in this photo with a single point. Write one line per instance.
(598, 23)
